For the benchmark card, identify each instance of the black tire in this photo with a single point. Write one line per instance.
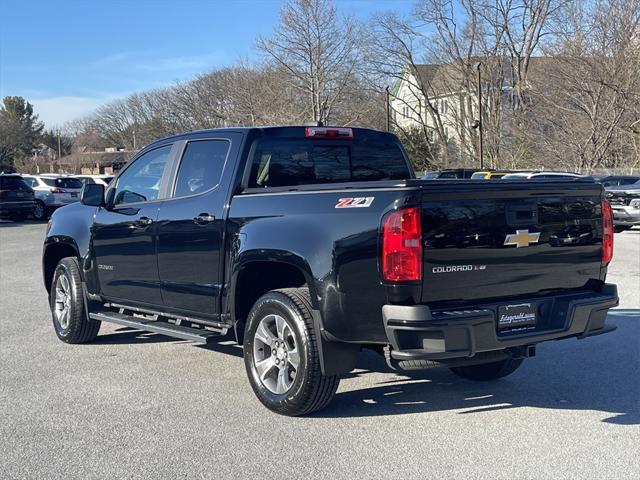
(40, 211)
(77, 327)
(310, 390)
(488, 371)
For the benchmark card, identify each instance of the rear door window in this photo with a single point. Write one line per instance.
(68, 183)
(32, 182)
(13, 183)
(628, 181)
(201, 167)
(288, 162)
(62, 182)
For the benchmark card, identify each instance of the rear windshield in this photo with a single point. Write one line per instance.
(63, 182)
(280, 162)
(13, 183)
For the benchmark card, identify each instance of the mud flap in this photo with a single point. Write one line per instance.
(336, 358)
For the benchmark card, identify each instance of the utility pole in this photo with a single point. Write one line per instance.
(388, 109)
(59, 149)
(480, 123)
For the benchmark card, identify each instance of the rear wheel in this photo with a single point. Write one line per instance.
(281, 354)
(70, 320)
(488, 371)
(39, 212)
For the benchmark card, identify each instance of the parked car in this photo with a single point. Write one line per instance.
(617, 180)
(16, 197)
(449, 173)
(53, 191)
(546, 175)
(488, 175)
(99, 179)
(312, 243)
(625, 202)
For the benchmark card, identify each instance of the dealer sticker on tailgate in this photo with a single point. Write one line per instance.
(514, 317)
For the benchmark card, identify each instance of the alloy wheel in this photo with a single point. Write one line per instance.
(62, 309)
(275, 354)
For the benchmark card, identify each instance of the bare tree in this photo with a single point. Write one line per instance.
(590, 89)
(317, 49)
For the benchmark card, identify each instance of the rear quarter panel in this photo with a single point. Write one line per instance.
(337, 249)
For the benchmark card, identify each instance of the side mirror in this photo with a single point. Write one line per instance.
(92, 195)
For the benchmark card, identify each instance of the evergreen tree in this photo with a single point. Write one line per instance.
(20, 131)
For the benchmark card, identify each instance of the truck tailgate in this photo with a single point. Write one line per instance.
(485, 240)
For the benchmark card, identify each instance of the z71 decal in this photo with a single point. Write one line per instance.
(356, 202)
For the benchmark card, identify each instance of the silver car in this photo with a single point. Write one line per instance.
(103, 179)
(625, 203)
(53, 191)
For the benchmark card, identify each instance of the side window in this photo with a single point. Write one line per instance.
(201, 166)
(141, 181)
(32, 182)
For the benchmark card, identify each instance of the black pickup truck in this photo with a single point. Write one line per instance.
(311, 243)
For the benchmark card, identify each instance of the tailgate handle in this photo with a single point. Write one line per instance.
(522, 214)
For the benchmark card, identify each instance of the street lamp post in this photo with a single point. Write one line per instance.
(480, 122)
(388, 108)
(59, 146)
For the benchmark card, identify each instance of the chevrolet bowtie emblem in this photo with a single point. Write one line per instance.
(522, 238)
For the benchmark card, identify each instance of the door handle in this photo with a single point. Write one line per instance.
(143, 221)
(203, 219)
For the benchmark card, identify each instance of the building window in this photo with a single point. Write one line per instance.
(444, 107)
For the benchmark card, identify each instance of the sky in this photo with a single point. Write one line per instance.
(67, 57)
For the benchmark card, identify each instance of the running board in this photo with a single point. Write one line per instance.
(200, 335)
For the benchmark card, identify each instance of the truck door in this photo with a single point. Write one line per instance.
(191, 226)
(124, 234)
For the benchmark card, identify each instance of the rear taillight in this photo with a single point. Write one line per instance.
(402, 246)
(607, 232)
(329, 132)
(57, 190)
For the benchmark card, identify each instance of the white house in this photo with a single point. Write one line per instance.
(430, 96)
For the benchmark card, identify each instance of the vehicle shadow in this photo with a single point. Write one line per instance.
(125, 335)
(10, 223)
(600, 373)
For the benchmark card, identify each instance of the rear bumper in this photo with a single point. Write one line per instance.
(417, 333)
(625, 215)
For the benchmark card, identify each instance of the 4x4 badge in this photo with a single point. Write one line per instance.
(522, 238)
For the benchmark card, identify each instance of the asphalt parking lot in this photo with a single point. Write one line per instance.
(134, 405)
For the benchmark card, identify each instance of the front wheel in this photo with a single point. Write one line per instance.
(488, 371)
(281, 354)
(70, 320)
